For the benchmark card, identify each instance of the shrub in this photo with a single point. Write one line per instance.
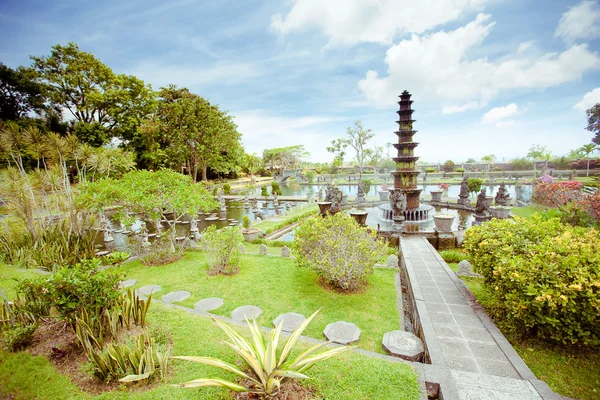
(164, 250)
(449, 166)
(83, 286)
(267, 370)
(430, 169)
(544, 276)
(221, 247)
(310, 175)
(275, 189)
(474, 184)
(215, 191)
(246, 222)
(227, 188)
(367, 183)
(264, 191)
(16, 337)
(460, 169)
(338, 249)
(453, 256)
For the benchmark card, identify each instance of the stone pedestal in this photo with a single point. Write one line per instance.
(436, 195)
(481, 218)
(445, 240)
(463, 200)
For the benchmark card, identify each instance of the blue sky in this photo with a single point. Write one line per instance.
(487, 76)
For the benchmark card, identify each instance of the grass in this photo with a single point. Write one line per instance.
(8, 276)
(349, 377)
(567, 370)
(277, 286)
(528, 211)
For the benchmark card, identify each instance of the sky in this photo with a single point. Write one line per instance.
(487, 76)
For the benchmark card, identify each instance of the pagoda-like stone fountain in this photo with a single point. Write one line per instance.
(405, 176)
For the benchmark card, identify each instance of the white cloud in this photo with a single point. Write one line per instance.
(503, 124)
(498, 114)
(524, 46)
(589, 99)
(580, 22)
(261, 130)
(375, 21)
(438, 66)
(456, 109)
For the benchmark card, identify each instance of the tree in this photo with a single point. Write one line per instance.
(279, 159)
(252, 164)
(488, 160)
(538, 153)
(449, 166)
(20, 93)
(358, 137)
(588, 149)
(187, 132)
(593, 117)
(470, 161)
(375, 156)
(89, 90)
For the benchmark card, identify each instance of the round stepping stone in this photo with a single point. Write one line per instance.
(180, 238)
(212, 303)
(404, 345)
(175, 297)
(151, 235)
(127, 283)
(101, 253)
(241, 313)
(212, 218)
(222, 219)
(233, 224)
(342, 332)
(291, 321)
(148, 290)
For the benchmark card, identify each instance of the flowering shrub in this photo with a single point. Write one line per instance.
(544, 276)
(545, 179)
(556, 194)
(444, 186)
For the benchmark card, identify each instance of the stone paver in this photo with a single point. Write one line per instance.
(241, 313)
(342, 332)
(212, 303)
(148, 289)
(175, 297)
(291, 321)
(404, 345)
(482, 363)
(127, 283)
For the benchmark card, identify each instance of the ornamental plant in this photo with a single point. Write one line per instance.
(444, 186)
(266, 369)
(543, 275)
(221, 247)
(341, 252)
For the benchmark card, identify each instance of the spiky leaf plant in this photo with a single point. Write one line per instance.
(267, 370)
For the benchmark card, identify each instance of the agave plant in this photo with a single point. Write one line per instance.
(268, 370)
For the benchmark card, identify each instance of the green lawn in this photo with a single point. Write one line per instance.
(8, 274)
(351, 376)
(277, 286)
(528, 211)
(569, 371)
(274, 223)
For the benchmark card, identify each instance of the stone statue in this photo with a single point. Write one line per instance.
(360, 197)
(105, 228)
(329, 193)
(502, 197)
(193, 225)
(336, 203)
(464, 188)
(397, 201)
(481, 207)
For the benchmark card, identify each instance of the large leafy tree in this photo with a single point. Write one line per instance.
(279, 159)
(93, 94)
(20, 93)
(358, 136)
(187, 132)
(593, 117)
(538, 153)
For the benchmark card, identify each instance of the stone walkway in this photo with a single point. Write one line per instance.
(459, 336)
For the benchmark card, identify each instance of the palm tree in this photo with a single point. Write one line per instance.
(488, 160)
(588, 149)
(536, 153)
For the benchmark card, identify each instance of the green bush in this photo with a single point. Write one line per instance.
(543, 274)
(474, 184)
(430, 169)
(276, 189)
(82, 286)
(338, 249)
(16, 337)
(264, 191)
(246, 222)
(459, 169)
(310, 175)
(453, 256)
(222, 248)
(367, 183)
(227, 188)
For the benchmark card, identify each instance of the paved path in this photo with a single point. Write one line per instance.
(458, 334)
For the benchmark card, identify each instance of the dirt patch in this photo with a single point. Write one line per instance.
(291, 390)
(331, 288)
(221, 271)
